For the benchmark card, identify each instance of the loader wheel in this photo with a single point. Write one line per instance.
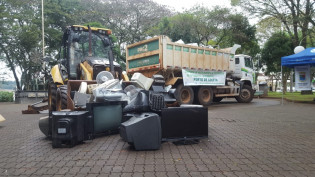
(62, 97)
(184, 94)
(52, 95)
(217, 99)
(205, 95)
(246, 94)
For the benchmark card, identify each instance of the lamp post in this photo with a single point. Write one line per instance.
(43, 30)
(43, 39)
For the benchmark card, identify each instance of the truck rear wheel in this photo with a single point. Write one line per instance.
(205, 95)
(184, 94)
(246, 95)
(62, 97)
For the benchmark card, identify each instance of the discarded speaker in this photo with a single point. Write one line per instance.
(184, 123)
(143, 131)
(156, 101)
(71, 128)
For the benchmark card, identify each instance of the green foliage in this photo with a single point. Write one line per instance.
(296, 17)
(241, 32)
(294, 96)
(182, 28)
(94, 24)
(235, 2)
(210, 27)
(278, 45)
(6, 96)
(129, 20)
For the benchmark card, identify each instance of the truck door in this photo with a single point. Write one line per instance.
(248, 71)
(238, 64)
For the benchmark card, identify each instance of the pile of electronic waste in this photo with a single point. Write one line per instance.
(136, 109)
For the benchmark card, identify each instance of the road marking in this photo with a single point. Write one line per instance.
(2, 118)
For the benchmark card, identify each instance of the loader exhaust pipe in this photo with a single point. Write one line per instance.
(90, 41)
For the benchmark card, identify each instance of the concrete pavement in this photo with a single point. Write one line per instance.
(263, 138)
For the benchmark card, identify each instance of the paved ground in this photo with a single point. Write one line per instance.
(263, 138)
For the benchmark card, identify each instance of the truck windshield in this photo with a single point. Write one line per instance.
(80, 46)
(248, 62)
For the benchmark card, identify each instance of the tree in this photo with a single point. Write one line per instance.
(278, 45)
(20, 36)
(131, 19)
(215, 27)
(241, 32)
(296, 16)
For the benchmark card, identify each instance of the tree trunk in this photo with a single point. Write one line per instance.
(285, 77)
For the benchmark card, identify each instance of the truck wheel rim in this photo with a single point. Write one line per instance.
(245, 94)
(205, 95)
(185, 96)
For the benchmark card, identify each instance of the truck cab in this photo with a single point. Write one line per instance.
(244, 69)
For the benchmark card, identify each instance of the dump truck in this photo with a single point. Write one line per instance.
(199, 74)
(85, 52)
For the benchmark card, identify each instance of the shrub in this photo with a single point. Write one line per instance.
(6, 96)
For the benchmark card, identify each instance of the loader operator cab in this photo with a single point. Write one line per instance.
(81, 44)
(85, 52)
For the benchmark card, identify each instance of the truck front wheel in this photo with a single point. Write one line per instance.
(184, 94)
(246, 95)
(205, 95)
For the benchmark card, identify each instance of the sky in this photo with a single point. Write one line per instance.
(180, 6)
(5, 73)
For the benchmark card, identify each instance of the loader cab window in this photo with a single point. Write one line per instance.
(80, 46)
(248, 62)
(79, 49)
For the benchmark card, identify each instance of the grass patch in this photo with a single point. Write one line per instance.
(294, 96)
(6, 96)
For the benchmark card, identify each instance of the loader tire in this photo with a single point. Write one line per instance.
(205, 95)
(62, 97)
(246, 94)
(184, 94)
(52, 96)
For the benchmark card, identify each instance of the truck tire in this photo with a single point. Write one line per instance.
(217, 99)
(184, 94)
(205, 95)
(62, 97)
(52, 95)
(246, 94)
